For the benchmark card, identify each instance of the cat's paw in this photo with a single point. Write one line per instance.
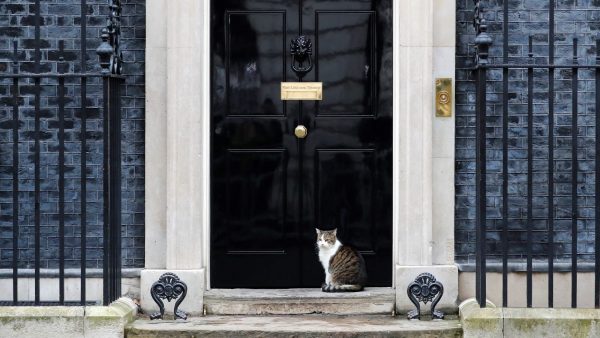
(325, 287)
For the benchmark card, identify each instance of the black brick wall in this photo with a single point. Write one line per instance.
(61, 20)
(527, 17)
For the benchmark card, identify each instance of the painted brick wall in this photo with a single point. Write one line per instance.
(61, 20)
(527, 17)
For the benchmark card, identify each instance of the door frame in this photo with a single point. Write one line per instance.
(177, 204)
(206, 145)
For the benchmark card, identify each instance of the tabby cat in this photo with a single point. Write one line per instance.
(344, 267)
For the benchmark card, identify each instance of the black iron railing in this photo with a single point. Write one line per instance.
(530, 64)
(64, 81)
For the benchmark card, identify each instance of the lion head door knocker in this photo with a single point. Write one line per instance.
(425, 289)
(301, 50)
(168, 287)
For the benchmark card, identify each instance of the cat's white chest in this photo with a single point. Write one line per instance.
(325, 255)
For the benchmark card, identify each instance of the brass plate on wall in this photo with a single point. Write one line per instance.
(443, 97)
(302, 91)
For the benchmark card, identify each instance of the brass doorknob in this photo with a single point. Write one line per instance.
(300, 131)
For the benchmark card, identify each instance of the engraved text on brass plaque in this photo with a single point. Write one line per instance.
(302, 91)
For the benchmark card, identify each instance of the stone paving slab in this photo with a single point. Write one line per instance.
(295, 326)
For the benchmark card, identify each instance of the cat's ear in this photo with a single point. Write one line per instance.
(335, 232)
(318, 231)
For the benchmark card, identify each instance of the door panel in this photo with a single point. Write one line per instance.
(269, 190)
(344, 49)
(254, 157)
(255, 63)
(348, 156)
(348, 173)
(256, 201)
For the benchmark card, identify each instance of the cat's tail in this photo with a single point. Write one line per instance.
(342, 288)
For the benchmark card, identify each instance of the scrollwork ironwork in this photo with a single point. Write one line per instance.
(111, 57)
(425, 289)
(168, 287)
(301, 51)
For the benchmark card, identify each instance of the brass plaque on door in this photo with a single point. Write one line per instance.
(443, 97)
(312, 91)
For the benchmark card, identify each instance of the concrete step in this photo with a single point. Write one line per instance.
(314, 326)
(298, 301)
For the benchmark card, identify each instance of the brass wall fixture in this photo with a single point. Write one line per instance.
(443, 97)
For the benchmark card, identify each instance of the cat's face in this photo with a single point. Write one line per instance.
(326, 238)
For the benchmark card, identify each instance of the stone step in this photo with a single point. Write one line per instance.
(298, 301)
(314, 326)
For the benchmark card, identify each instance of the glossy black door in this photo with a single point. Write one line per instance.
(270, 189)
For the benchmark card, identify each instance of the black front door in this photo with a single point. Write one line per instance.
(270, 189)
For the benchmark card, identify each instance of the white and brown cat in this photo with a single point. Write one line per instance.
(345, 269)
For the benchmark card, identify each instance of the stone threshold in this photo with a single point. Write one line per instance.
(315, 326)
(371, 301)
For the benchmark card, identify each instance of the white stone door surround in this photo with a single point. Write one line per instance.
(177, 199)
